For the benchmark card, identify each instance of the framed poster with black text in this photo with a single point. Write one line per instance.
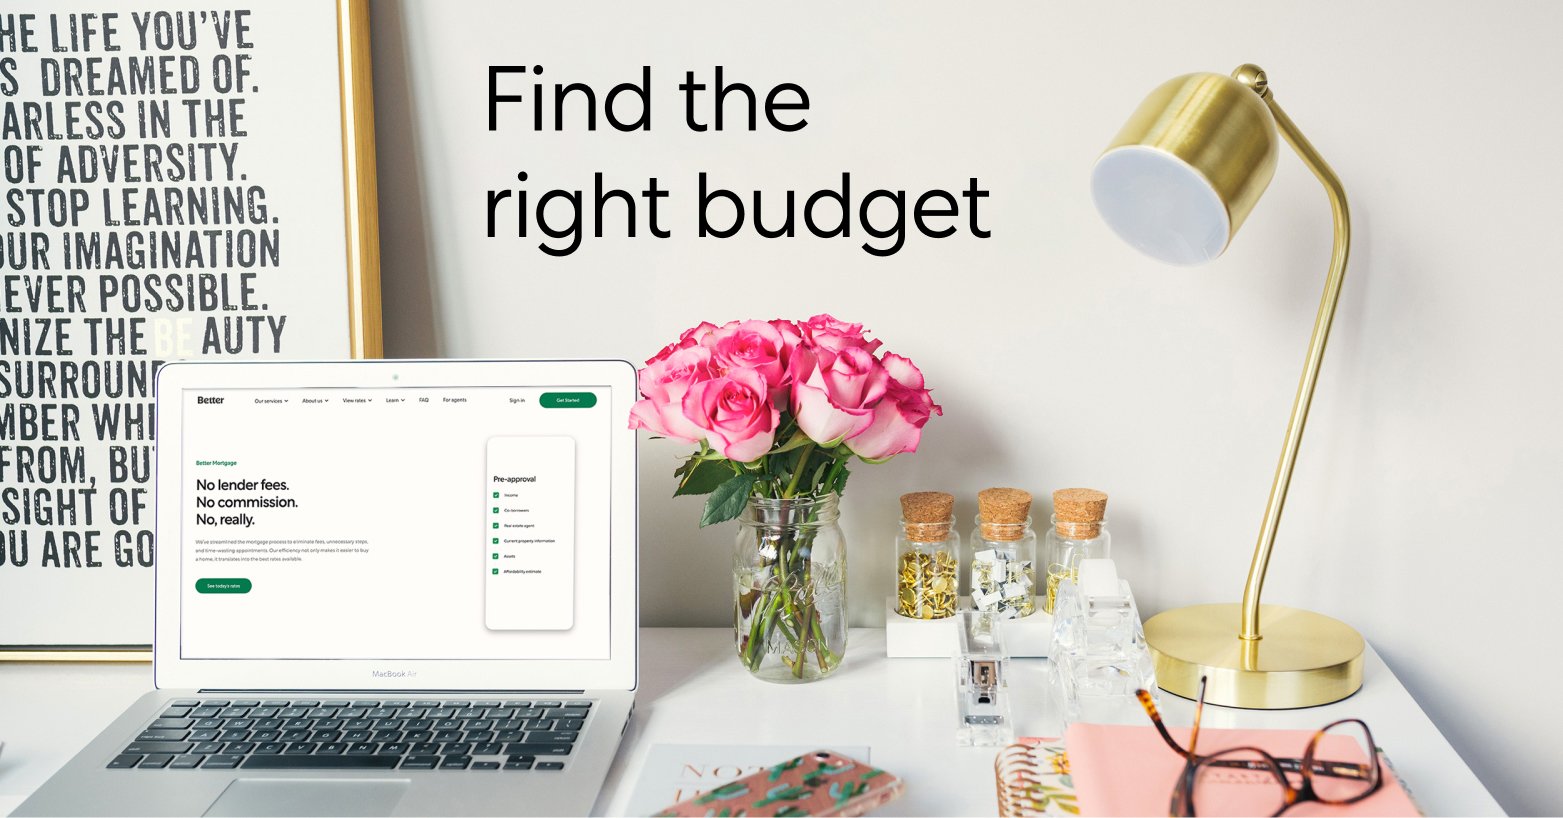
(181, 180)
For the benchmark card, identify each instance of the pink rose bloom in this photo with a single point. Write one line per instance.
(754, 345)
(834, 393)
(663, 382)
(898, 420)
(736, 414)
(826, 331)
(790, 332)
(825, 322)
(792, 338)
(691, 337)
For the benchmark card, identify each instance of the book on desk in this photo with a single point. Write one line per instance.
(1099, 769)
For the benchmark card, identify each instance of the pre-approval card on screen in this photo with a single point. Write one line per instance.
(529, 533)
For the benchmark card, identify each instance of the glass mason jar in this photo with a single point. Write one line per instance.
(1065, 545)
(790, 588)
(927, 569)
(1003, 568)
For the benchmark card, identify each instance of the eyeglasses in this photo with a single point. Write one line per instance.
(1270, 787)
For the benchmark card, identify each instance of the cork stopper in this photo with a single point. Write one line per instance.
(926, 515)
(1003, 512)
(1078, 513)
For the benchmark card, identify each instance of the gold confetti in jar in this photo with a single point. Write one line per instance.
(927, 556)
(1079, 532)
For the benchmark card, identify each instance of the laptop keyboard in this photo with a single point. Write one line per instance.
(342, 734)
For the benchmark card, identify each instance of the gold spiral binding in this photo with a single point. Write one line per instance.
(1015, 773)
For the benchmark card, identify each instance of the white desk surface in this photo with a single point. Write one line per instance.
(693, 691)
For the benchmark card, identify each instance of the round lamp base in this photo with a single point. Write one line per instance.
(1304, 660)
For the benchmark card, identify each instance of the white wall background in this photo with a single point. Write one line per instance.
(1434, 456)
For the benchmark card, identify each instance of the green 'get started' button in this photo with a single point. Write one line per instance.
(568, 400)
(237, 585)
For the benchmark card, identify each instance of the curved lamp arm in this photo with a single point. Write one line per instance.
(1254, 78)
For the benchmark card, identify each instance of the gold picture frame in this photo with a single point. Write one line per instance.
(365, 333)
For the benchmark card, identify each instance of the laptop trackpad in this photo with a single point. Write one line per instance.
(277, 796)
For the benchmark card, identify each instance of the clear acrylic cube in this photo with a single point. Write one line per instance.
(1098, 651)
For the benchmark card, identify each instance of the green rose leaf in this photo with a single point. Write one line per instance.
(727, 500)
(838, 481)
(701, 476)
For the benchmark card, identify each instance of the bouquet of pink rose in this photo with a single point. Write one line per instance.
(778, 408)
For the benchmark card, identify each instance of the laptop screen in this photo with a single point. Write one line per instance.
(399, 523)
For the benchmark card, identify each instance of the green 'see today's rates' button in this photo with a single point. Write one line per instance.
(237, 585)
(568, 400)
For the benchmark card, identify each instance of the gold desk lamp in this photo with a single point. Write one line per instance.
(1176, 183)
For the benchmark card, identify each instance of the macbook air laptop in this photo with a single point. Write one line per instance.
(383, 588)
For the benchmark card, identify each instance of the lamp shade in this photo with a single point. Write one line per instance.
(1183, 174)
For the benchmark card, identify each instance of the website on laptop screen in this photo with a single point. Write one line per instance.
(404, 523)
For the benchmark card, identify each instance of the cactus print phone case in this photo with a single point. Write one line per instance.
(817, 783)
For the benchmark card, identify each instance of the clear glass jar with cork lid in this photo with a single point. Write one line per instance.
(927, 556)
(1079, 532)
(1004, 553)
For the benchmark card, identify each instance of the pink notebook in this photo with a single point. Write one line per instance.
(1122, 770)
